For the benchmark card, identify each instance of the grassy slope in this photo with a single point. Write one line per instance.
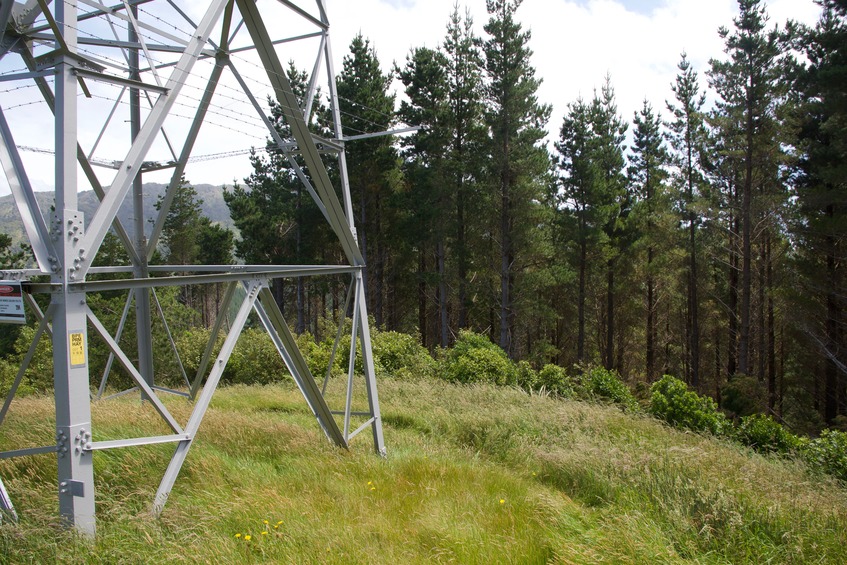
(474, 475)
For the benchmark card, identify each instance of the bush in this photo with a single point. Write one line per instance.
(556, 380)
(255, 360)
(39, 374)
(401, 355)
(527, 376)
(765, 435)
(598, 383)
(191, 345)
(474, 359)
(828, 454)
(671, 401)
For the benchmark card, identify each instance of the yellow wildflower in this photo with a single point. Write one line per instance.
(248, 537)
(502, 501)
(238, 535)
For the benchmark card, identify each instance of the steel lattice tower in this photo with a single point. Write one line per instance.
(69, 57)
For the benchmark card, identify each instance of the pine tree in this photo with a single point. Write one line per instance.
(464, 95)
(747, 83)
(577, 203)
(687, 138)
(822, 193)
(367, 107)
(430, 206)
(278, 221)
(607, 152)
(647, 175)
(516, 122)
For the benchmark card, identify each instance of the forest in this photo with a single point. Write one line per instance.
(702, 237)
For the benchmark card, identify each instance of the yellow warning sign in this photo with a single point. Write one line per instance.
(77, 349)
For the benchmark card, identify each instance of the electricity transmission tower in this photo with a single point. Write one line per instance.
(148, 63)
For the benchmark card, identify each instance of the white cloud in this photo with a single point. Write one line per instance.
(575, 44)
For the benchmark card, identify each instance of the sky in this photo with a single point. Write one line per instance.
(575, 44)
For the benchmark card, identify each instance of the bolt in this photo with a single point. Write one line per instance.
(88, 446)
(63, 491)
(63, 484)
(76, 239)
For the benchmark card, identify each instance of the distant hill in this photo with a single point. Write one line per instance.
(213, 207)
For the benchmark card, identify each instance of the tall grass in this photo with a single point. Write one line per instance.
(474, 474)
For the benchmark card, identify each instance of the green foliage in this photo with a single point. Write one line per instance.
(671, 401)
(255, 360)
(743, 395)
(527, 377)
(401, 356)
(8, 372)
(474, 359)
(39, 374)
(764, 434)
(598, 383)
(828, 454)
(191, 345)
(556, 380)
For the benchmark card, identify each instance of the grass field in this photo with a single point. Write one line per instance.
(473, 475)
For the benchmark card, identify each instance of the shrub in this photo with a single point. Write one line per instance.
(828, 454)
(401, 355)
(527, 376)
(39, 374)
(8, 372)
(598, 383)
(316, 354)
(765, 435)
(255, 360)
(671, 401)
(474, 359)
(556, 380)
(191, 345)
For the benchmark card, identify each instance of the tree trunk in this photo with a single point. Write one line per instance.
(422, 300)
(744, 366)
(580, 341)
(772, 392)
(651, 330)
(506, 260)
(693, 306)
(732, 348)
(609, 360)
(442, 296)
(462, 255)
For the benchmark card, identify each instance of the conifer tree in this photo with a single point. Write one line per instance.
(687, 138)
(647, 174)
(821, 229)
(430, 206)
(464, 160)
(747, 83)
(607, 152)
(367, 107)
(519, 162)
